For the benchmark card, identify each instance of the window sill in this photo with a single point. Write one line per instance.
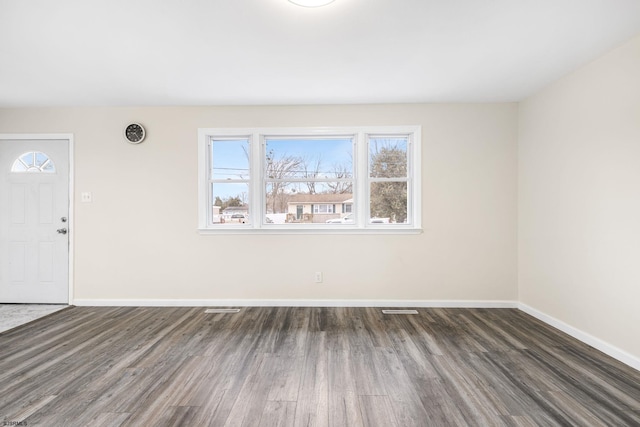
(308, 230)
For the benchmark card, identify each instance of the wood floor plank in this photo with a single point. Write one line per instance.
(232, 382)
(377, 411)
(287, 375)
(177, 416)
(345, 410)
(278, 414)
(307, 366)
(108, 419)
(519, 421)
(313, 406)
(31, 408)
(415, 359)
(403, 396)
(209, 414)
(369, 381)
(344, 405)
(252, 398)
(469, 396)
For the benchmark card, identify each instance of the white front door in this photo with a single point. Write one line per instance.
(34, 227)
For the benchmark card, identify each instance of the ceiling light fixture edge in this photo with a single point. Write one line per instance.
(311, 3)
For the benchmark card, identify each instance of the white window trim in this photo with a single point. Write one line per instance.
(361, 181)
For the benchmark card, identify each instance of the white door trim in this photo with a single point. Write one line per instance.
(57, 136)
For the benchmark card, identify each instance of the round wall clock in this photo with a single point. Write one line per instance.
(134, 133)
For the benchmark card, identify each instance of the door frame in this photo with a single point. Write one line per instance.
(69, 138)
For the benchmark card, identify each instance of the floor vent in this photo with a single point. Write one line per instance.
(399, 311)
(222, 310)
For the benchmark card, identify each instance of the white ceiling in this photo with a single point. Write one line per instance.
(239, 52)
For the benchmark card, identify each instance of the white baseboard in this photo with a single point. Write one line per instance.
(576, 333)
(293, 303)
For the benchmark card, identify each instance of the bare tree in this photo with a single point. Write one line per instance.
(311, 171)
(279, 169)
(341, 171)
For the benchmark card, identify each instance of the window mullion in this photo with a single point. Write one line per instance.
(255, 181)
(287, 180)
(361, 173)
(394, 179)
(414, 185)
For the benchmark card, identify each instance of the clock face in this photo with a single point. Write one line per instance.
(134, 133)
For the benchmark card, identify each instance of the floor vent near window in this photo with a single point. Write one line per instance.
(399, 311)
(222, 310)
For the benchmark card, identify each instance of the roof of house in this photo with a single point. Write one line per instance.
(321, 198)
(235, 209)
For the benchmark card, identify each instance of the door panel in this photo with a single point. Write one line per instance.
(46, 262)
(17, 264)
(17, 204)
(46, 208)
(34, 257)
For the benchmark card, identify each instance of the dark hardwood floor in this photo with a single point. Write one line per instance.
(307, 367)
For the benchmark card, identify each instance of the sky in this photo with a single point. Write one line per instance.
(230, 159)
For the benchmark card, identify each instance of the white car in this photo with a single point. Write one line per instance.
(379, 220)
(347, 219)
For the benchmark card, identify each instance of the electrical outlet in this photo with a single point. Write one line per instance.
(318, 276)
(86, 197)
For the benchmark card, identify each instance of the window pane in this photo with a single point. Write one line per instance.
(388, 157)
(41, 158)
(18, 166)
(230, 203)
(28, 158)
(230, 159)
(33, 161)
(309, 158)
(388, 202)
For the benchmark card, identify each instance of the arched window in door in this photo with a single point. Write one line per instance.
(33, 161)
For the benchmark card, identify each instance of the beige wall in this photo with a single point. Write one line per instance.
(579, 199)
(138, 238)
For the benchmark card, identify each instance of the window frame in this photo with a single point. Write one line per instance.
(34, 167)
(361, 181)
(329, 207)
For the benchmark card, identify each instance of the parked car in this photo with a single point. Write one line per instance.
(347, 219)
(239, 217)
(379, 220)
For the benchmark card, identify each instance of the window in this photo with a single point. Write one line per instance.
(323, 209)
(388, 179)
(33, 161)
(306, 179)
(228, 180)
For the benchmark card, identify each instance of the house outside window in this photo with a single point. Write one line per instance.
(364, 179)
